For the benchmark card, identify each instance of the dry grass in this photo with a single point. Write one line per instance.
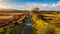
(6, 17)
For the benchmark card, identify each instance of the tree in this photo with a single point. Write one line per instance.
(36, 8)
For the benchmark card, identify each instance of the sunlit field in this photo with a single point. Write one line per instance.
(46, 23)
(42, 22)
(12, 22)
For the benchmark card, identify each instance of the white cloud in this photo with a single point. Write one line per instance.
(0, 0)
(30, 6)
(4, 5)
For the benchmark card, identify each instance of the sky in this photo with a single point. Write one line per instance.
(30, 4)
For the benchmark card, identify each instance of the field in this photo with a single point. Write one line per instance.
(46, 22)
(41, 22)
(12, 21)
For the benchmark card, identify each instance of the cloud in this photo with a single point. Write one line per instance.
(4, 5)
(30, 6)
(56, 6)
(0, 0)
